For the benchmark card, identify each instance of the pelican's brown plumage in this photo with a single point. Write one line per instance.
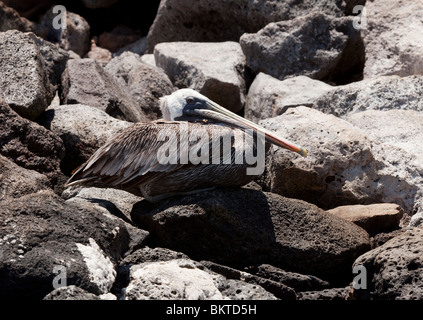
(131, 160)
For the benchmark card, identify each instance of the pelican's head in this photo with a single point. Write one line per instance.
(190, 105)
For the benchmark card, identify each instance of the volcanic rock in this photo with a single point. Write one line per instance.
(209, 21)
(42, 237)
(216, 70)
(242, 227)
(269, 97)
(394, 270)
(146, 84)
(392, 38)
(343, 166)
(86, 82)
(24, 82)
(73, 35)
(316, 45)
(373, 218)
(30, 145)
(83, 129)
(16, 181)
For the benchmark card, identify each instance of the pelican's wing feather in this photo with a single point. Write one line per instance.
(130, 155)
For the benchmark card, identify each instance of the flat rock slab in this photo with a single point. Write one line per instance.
(394, 270)
(214, 69)
(297, 281)
(316, 45)
(242, 226)
(279, 288)
(374, 218)
(24, 82)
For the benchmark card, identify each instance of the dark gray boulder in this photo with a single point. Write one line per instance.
(30, 145)
(43, 238)
(238, 227)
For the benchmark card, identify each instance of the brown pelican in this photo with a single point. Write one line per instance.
(183, 153)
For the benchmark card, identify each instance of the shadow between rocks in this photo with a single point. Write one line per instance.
(231, 226)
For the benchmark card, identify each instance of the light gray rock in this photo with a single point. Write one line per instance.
(184, 279)
(392, 38)
(316, 45)
(216, 21)
(86, 82)
(344, 166)
(24, 83)
(149, 59)
(254, 227)
(394, 270)
(381, 93)
(145, 83)
(214, 69)
(171, 280)
(400, 128)
(269, 97)
(83, 130)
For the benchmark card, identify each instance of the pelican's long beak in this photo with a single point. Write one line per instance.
(217, 112)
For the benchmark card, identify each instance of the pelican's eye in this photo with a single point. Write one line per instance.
(190, 100)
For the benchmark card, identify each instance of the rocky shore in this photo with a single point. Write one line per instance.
(344, 79)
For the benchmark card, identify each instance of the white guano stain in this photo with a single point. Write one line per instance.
(100, 267)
